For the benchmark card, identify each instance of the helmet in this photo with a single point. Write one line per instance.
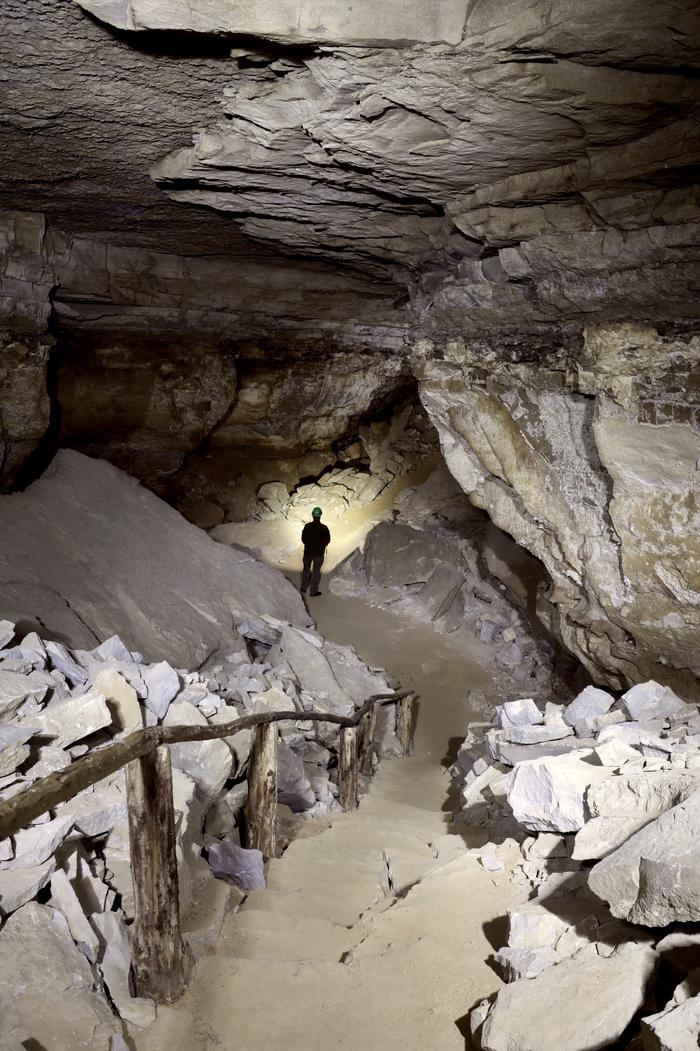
(316, 513)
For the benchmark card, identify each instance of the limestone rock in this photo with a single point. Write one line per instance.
(18, 886)
(64, 898)
(115, 963)
(163, 685)
(15, 688)
(601, 997)
(587, 707)
(519, 713)
(36, 844)
(102, 510)
(548, 795)
(675, 1028)
(652, 879)
(71, 720)
(121, 699)
(13, 746)
(536, 734)
(208, 763)
(650, 700)
(237, 865)
(50, 984)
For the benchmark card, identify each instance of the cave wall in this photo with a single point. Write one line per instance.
(590, 460)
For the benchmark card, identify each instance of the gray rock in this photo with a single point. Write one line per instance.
(64, 898)
(13, 747)
(304, 654)
(18, 886)
(35, 844)
(115, 964)
(237, 865)
(104, 510)
(594, 998)
(519, 713)
(675, 1028)
(70, 721)
(536, 734)
(16, 688)
(7, 633)
(259, 630)
(50, 983)
(98, 809)
(640, 794)
(586, 709)
(121, 700)
(113, 649)
(163, 685)
(525, 963)
(548, 795)
(293, 786)
(651, 700)
(654, 878)
(208, 763)
(601, 835)
(61, 659)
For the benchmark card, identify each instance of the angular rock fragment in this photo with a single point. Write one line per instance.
(676, 1028)
(208, 763)
(15, 688)
(536, 734)
(237, 865)
(115, 964)
(61, 659)
(64, 898)
(7, 633)
(519, 713)
(601, 997)
(18, 886)
(69, 721)
(293, 786)
(163, 685)
(584, 710)
(548, 795)
(654, 878)
(121, 699)
(35, 844)
(13, 747)
(50, 984)
(651, 700)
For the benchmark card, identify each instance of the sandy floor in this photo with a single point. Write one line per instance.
(375, 933)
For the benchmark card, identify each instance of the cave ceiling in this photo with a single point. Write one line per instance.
(469, 168)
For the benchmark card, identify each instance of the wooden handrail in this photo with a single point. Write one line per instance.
(158, 955)
(59, 787)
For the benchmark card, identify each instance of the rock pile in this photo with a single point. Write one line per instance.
(596, 805)
(428, 564)
(66, 895)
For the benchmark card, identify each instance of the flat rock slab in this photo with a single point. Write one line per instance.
(125, 562)
(70, 721)
(582, 1004)
(673, 1029)
(50, 984)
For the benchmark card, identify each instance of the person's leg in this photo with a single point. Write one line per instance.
(316, 574)
(306, 573)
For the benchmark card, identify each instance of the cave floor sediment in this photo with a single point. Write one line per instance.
(376, 932)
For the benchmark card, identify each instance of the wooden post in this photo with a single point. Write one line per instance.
(157, 952)
(348, 768)
(368, 728)
(261, 809)
(404, 723)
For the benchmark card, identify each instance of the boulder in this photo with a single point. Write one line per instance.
(519, 713)
(18, 886)
(35, 844)
(121, 699)
(586, 708)
(69, 721)
(645, 794)
(133, 566)
(162, 685)
(582, 1004)
(601, 835)
(548, 795)
(237, 865)
(13, 746)
(675, 1028)
(525, 963)
(98, 809)
(61, 659)
(50, 984)
(304, 654)
(654, 878)
(15, 688)
(651, 700)
(208, 763)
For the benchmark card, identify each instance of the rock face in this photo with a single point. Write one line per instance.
(122, 561)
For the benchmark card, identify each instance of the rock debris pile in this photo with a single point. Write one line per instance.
(596, 808)
(428, 564)
(66, 894)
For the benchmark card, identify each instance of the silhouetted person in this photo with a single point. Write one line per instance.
(315, 537)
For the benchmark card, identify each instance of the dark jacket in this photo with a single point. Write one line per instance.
(315, 537)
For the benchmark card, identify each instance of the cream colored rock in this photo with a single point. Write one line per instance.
(121, 699)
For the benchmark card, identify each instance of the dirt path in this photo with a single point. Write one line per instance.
(373, 934)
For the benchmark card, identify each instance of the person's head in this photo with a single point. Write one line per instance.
(316, 514)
